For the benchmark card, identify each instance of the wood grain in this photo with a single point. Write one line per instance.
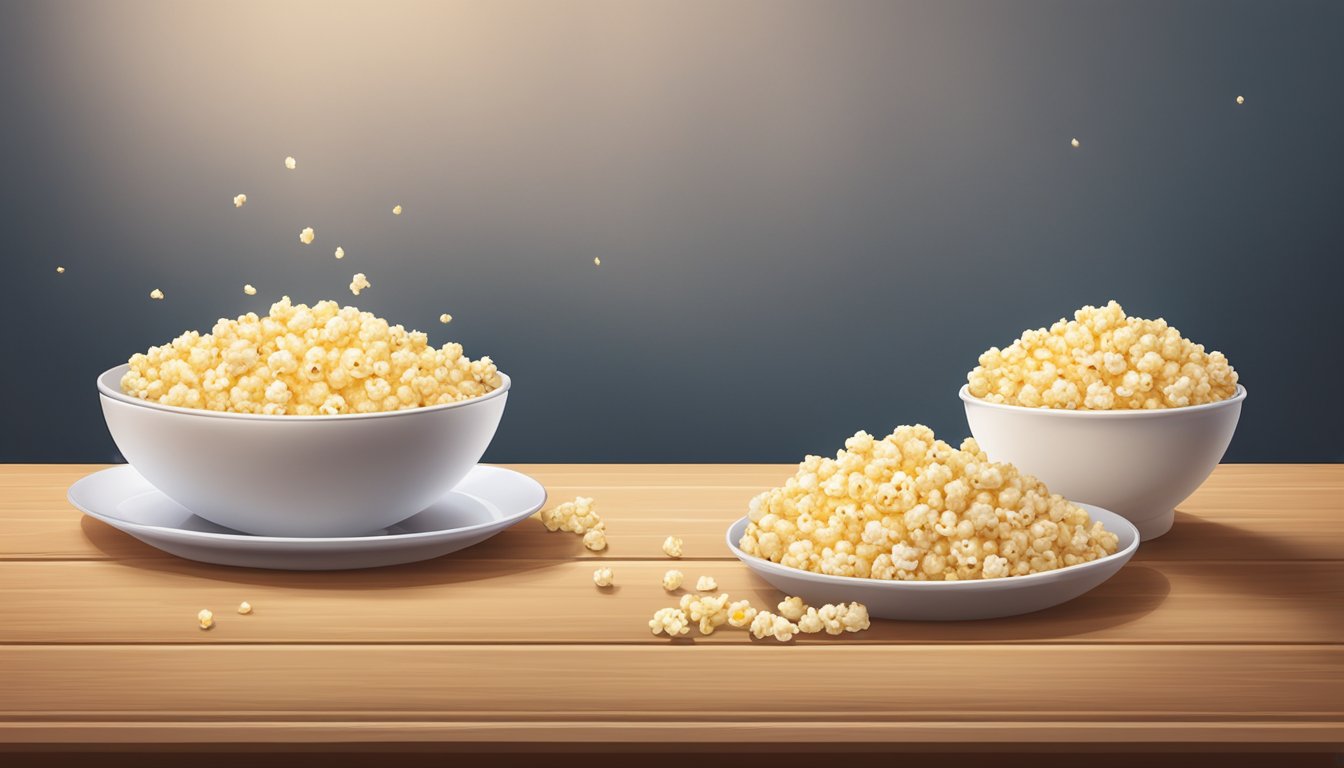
(475, 601)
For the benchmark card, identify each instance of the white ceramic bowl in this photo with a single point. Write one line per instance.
(343, 475)
(1139, 464)
(949, 600)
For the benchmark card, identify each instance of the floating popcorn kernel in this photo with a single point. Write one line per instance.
(1074, 143)
(597, 261)
(359, 282)
(340, 252)
(445, 318)
(156, 294)
(1241, 99)
(60, 270)
(396, 210)
(239, 200)
(306, 236)
(290, 163)
(249, 290)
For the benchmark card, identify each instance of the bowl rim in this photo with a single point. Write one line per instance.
(108, 391)
(1008, 582)
(1130, 413)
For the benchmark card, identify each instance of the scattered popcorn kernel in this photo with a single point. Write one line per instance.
(359, 282)
(244, 608)
(1074, 143)
(597, 261)
(239, 200)
(1241, 100)
(301, 360)
(595, 539)
(740, 614)
(156, 294)
(290, 163)
(205, 618)
(914, 508)
(602, 577)
(340, 252)
(396, 210)
(706, 584)
(445, 318)
(792, 608)
(766, 624)
(711, 612)
(673, 621)
(577, 516)
(672, 580)
(249, 290)
(1103, 360)
(306, 236)
(672, 546)
(60, 270)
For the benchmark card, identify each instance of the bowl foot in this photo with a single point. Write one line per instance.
(1152, 527)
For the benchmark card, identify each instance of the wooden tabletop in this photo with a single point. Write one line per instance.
(1226, 631)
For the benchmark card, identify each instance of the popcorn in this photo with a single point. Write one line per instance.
(766, 624)
(156, 295)
(1241, 100)
(596, 539)
(239, 200)
(244, 608)
(577, 516)
(741, 614)
(358, 283)
(301, 360)
(60, 270)
(673, 621)
(672, 546)
(306, 236)
(249, 290)
(711, 612)
(396, 210)
(340, 252)
(597, 261)
(792, 608)
(672, 580)
(1074, 143)
(205, 618)
(914, 508)
(1103, 360)
(706, 584)
(602, 577)
(290, 163)
(445, 318)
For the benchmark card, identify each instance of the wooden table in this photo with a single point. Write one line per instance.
(1223, 635)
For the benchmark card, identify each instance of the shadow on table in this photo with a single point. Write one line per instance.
(129, 551)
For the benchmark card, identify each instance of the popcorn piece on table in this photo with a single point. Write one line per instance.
(306, 236)
(945, 514)
(706, 584)
(711, 612)
(672, 621)
(359, 282)
(319, 360)
(766, 624)
(244, 608)
(602, 577)
(239, 201)
(672, 580)
(596, 538)
(205, 618)
(792, 608)
(672, 546)
(577, 516)
(740, 614)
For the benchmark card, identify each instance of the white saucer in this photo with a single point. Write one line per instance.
(950, 600)
(486, 502)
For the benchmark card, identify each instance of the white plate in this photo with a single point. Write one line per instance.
(950, 600)
(486, 502)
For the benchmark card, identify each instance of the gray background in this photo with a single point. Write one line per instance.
(812, 217)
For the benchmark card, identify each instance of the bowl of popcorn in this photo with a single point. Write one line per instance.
(319, 421)
(916, 529)
(1109, 409)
